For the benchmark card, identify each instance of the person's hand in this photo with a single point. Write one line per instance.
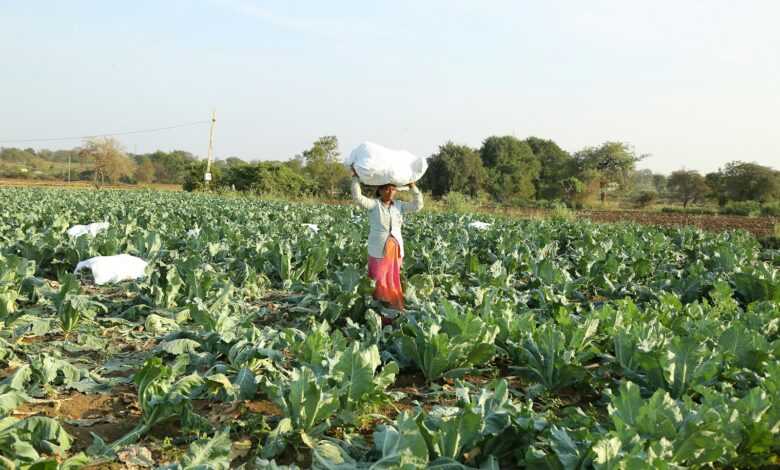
(413, 185)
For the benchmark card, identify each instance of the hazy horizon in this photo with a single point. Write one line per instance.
(694, 85)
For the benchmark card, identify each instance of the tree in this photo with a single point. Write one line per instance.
(234, 161)
(323, 164)
(687, 186)
(742, 181)
(454, 168)
(715, 181)
(659, 183)
(172, 167)
(556, 166)
(146, 171)
(611, 163)
(512, 168)
(573, 190)
(645, 198)
(110, 161)
(193, 176)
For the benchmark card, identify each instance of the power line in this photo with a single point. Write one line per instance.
(112, 134)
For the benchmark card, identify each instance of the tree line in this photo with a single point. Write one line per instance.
(504, 170)
(98, 159)
(514, 171)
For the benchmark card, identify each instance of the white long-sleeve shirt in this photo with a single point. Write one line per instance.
(385, 221)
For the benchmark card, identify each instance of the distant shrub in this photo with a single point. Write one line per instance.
(547, 204)
(689, 210)
(745, 208)
(561, 213)
(771, 209)
(458, 202)
(645, 198)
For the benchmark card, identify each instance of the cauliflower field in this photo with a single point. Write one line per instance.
(253, 341)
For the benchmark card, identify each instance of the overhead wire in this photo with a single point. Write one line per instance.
(110, 134)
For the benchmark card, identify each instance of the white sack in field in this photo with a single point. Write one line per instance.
(313, 227)
(110, 269)
(91, 229)
(479, 225)
(377, 165)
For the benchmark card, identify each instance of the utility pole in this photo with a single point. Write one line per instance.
(207, 176)
(69, 167)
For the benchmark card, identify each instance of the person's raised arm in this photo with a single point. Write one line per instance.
(417, 199)
(357, 195)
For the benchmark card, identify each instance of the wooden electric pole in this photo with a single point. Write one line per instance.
(207, 176)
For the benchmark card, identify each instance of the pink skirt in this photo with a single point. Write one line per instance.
(387, 274)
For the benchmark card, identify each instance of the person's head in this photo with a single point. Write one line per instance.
(386, 192)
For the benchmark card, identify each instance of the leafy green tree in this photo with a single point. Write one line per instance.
(659, 183)
(512, 168)
(323, 165)
(715, 181)
(455, 168)
(573, 190)
(556, 166)
(172, 167)
(193, 178)
(267, 178)
(645, 198)
(234, 161)
(687, 186)
(742, 181)
(611, 163)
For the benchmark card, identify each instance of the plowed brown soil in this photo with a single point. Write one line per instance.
(758, 226)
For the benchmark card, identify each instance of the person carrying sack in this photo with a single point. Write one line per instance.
(385, 243)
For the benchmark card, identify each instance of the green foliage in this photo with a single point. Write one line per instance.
(27, 439)
(545, 356)
(744, 208)
(206, 454)
(512, 168)
(453, 341)
(161, 396)
(687, 186)
(689, 210)
(193, 179)
(645, 198)
(543, 343)
(324, 168)
(72, 307)
(771, 209)
(458, 203)
(611, 163)
(561, 213)
(556, 166)
(454, 169)
(741, 181)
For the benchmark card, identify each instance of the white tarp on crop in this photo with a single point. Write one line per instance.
(479, 225)
(377, 165)
(110, 269)
(91, 229)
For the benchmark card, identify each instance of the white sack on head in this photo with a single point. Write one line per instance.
(377, 165)
(480, 225)
(91, 229)
(110, 269)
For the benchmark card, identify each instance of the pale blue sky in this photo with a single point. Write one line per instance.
(694, 83)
